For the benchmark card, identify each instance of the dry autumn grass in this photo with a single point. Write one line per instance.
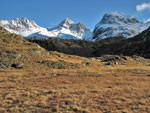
(54, 82)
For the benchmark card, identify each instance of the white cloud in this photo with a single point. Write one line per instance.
(143, 6)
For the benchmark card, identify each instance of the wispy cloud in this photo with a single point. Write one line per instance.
(143, 6)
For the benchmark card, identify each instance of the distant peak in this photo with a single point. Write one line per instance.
(119, 14)
(81, 25)
(26, 20)
(23, 18)
(68, 20)
(116, 13)
(117, 17)
(20, 23)
(66, 23)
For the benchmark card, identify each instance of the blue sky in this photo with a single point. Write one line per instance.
(49, 13)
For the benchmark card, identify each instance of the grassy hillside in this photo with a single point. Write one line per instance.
(33, 79)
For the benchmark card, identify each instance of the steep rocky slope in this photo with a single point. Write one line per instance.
(138, 45)
(15, 52)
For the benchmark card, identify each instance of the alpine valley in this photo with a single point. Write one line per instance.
(69, 69)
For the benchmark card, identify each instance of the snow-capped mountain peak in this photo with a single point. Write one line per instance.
(80, 25)
(66, 23)
(67, 29)
(20, 26)
(22, 22)
(118, 24)
(117, 18)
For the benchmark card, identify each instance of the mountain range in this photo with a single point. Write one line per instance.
(67, 29)
(112, 24)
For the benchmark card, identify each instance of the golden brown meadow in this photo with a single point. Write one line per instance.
(34, 80)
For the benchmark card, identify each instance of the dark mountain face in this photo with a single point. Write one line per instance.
(145, 35)
(73, 47)
(138, 45)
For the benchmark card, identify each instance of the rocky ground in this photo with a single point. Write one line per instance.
(34, 80)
